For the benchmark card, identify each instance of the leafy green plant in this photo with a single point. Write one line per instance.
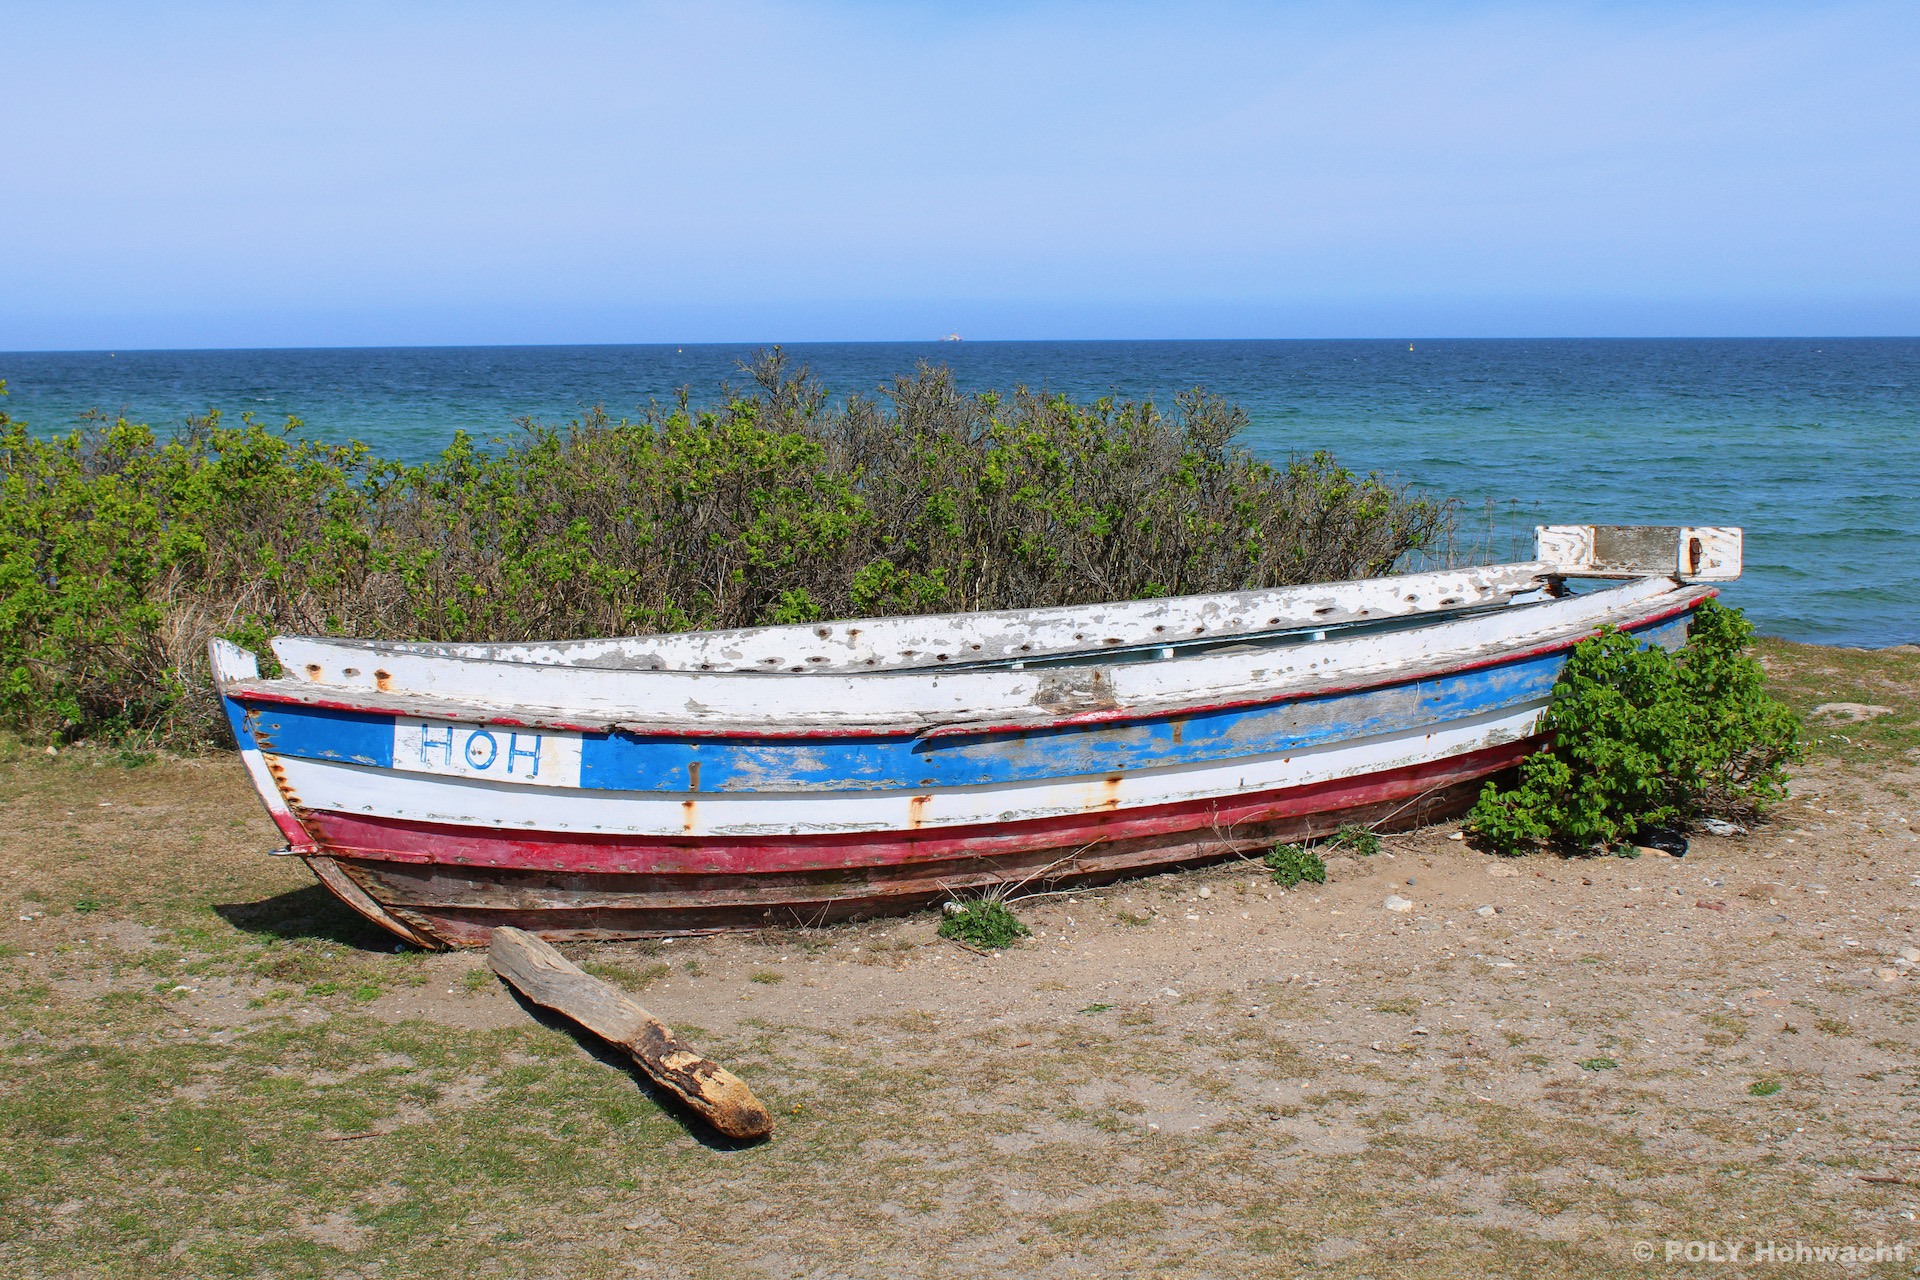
(984, 922)
(122, 552)
(1293, 863)
(1764, 1088)
(1355, 840)
(1596, 1064)
(1642, 738)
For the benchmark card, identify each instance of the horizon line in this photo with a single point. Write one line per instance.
(962, 341)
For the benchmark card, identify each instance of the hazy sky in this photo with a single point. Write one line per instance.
(267, 174)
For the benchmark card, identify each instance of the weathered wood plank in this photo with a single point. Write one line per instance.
(870, 645)
(548, 978)
(1691, 553)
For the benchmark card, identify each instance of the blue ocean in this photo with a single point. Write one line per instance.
(1812, 444)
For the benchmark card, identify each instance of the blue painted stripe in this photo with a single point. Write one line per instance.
(316, 733)
(237, 721)
(660, 763)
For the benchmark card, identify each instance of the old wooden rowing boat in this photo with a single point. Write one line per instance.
(799, 774)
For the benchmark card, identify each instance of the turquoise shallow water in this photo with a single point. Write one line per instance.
(1812, 444)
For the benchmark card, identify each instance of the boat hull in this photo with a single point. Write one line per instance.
(482, 881)
(441, 830)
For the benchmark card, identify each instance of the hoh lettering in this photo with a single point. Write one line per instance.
(538, 756)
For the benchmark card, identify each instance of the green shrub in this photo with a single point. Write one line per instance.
(1643, 738)
(1355, 840)
(985, 922)
(1293, 863)
(121, 552)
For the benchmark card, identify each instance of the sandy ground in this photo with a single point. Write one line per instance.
(1539, 1067)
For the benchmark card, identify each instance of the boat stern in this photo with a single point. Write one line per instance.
(1689, 553)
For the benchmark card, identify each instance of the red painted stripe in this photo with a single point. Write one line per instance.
(394, 840)
(247, 694)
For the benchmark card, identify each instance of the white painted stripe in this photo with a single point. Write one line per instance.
(480, 802)
(263, 782)
(548, 758)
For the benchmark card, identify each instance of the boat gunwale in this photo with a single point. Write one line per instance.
(1526, 576)
(1683, 598)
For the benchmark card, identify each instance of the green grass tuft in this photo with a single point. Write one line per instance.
(1293, 863)
(1355, 840)
(984, 924)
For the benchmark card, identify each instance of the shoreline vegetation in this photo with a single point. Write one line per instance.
(122, 551)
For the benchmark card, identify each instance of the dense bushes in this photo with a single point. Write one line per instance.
(122, 552)
(1641, 738)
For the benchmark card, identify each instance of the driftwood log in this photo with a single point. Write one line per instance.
(548, 978)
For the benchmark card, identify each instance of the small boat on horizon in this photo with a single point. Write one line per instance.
(798, 775)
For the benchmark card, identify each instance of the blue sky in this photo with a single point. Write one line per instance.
(273, 174)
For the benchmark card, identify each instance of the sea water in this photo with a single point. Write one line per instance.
(1813, 445)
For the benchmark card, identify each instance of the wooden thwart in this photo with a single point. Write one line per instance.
(547, 978)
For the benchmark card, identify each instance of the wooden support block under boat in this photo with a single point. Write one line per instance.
(547, 978)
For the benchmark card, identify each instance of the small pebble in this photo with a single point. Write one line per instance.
(1206, 893)
(1397, 903)
(1484, 911)
(1458, 835)
(1910, 953)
